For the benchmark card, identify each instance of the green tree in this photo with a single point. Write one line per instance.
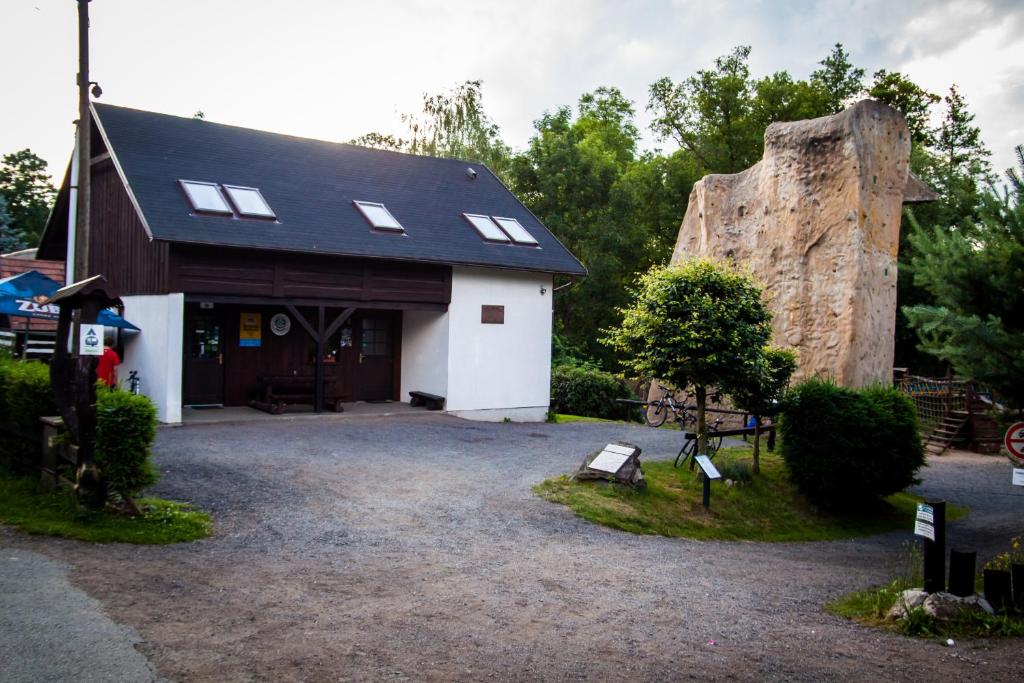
(905, 96)
(838, 80)
(963, 167)
(10, 239)
(975, 277)
(26, 186)
(762, 388)
(452, 125)
(700, 324)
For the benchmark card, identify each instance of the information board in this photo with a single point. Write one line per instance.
(710, 471)
(924, 523)
(250, 329)
(611, 459)
(90, 339)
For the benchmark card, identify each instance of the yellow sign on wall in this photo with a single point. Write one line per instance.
(250, 329)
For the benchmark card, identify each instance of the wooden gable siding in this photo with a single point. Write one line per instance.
(119, 247)
(207, 270)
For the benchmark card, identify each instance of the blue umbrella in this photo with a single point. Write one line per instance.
(28, 295)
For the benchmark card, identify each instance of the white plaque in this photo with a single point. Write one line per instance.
(1018, 476)
(924, 529)
(925, 513)
(709, 470)
(90, 339)
(616, 448)
(609, 461)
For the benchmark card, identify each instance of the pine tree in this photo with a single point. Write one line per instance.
(838, 79)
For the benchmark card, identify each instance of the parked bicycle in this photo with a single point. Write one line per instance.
(690, 447)
(659, 409)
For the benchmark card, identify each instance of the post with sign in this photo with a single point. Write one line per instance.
(710, 472)
(1014, 442)
(930, 525)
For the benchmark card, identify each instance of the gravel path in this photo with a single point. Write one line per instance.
(413, 548)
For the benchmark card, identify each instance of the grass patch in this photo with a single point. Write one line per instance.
(869, 607)
(25, 506)
(560, 418)
(767, 509)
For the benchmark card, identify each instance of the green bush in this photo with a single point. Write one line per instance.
(125, 430)
(844, 447)
(587, 391)
(25, 396)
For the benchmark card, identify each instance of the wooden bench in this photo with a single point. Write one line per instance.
(277, 393)
(422, 398)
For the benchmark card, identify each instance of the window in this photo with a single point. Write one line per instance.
(487, 228)
(249, 202)
(376, 337)
(516, 231)
(378, 216)
(205, 197)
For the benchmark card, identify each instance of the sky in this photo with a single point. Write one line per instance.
(335, 69)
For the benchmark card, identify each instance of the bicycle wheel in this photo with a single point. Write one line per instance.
(714, 443)
(684, 453)
(656, 413)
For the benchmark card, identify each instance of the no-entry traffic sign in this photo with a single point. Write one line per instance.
(1014, 442)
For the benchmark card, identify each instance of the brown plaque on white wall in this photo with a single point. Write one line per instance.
(492, 315)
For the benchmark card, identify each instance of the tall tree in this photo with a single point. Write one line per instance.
(975, 321)
(905, 96)
(963, 168)
(838, 80)
(26, 186)
(10, 239)
(451, 124)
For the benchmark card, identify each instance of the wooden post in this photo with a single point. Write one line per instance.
(935, 551)
(318, 390)
(84, 153)
(701, 447)
(961, 572)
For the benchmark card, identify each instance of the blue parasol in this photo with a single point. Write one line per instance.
(28, 294)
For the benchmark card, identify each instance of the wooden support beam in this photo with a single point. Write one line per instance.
(318, 392)
(338, 322)
(302, 320)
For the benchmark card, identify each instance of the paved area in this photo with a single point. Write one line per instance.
(52, 631)
(413, 548)
(245, 414)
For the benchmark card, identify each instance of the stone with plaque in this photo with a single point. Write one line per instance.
(617, 462)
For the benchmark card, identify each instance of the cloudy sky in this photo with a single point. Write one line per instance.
(334, 69)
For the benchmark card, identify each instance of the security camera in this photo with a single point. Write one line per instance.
(471, 173)
(97, 91)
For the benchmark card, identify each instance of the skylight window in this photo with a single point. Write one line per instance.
(249, 202)
(378, 216)
(487, 228)
(205, 197)
(515, 230)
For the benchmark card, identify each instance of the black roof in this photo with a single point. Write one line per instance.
(311, 186)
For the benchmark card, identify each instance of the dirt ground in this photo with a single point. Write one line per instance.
(413, 548)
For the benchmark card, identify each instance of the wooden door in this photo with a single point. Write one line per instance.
(204, 358)
(375, 367)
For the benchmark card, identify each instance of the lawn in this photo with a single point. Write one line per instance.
(25, 506)
(768, 508)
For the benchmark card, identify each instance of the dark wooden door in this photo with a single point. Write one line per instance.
(374, 369)
(204, 358)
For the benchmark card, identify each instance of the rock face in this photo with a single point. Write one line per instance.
(817, 222)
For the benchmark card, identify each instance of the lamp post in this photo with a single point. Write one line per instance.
(84, 154)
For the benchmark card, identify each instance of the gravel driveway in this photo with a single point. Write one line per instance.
(413, 548)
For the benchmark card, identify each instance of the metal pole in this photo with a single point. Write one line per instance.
(84, 138)
(707, 489)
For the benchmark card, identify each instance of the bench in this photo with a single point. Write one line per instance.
(422, 398)
(277, 393)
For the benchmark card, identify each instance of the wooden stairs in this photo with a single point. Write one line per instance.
(951, 430)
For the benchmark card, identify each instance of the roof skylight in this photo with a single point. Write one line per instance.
(378, 216)
(205, 197)
(487, 228)
(249, 202)
(515, 230)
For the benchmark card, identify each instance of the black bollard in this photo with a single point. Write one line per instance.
(997, 588)
(961, 572)
(1017, 574)
(935, 551)
(707, 490)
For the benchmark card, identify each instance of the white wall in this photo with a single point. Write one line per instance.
(499, 371)
(424, 353)
(156, 351)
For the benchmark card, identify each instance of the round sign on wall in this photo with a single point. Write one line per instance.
(280, 324)
(1014, 442)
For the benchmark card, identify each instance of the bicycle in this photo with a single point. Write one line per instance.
(662, 406)
(690, 447)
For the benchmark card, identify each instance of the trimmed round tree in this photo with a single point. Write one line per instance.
(700, 323)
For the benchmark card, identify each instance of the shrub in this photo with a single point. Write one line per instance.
(587, 391)
(25, 396)
(843, 447)
(125, 430)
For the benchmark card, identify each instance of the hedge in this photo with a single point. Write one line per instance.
(587, 391)
(844, 447)
(125, 426)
